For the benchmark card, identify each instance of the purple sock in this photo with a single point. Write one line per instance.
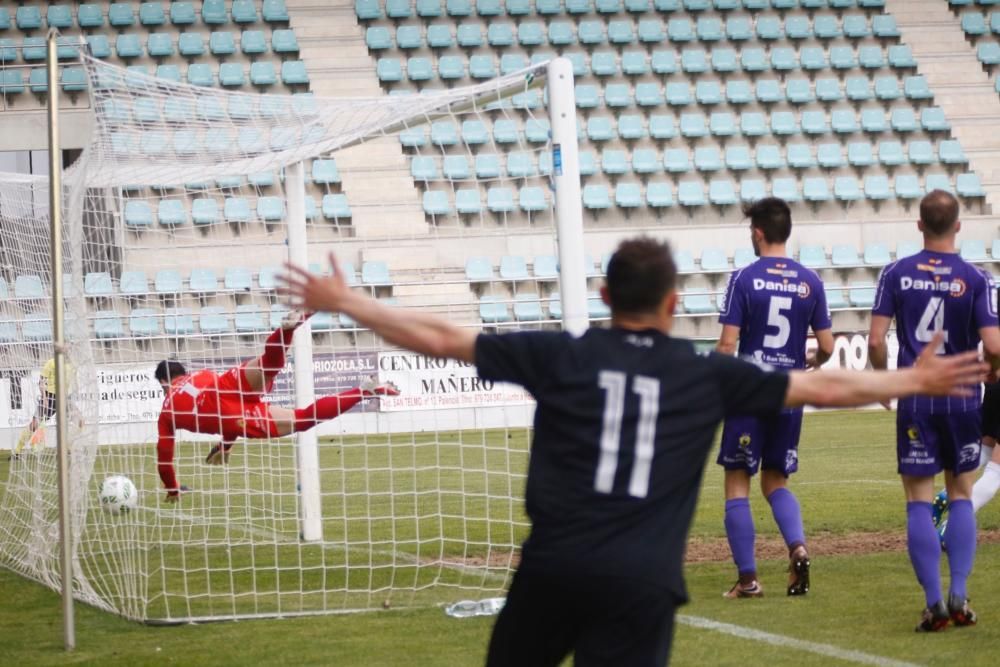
(785, 508)
(740, 531)
(925, 549)
(960, 538)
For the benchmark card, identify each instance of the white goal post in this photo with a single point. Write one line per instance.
(176, 216)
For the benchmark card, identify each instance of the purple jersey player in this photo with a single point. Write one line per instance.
(770, 306)
(933, 293)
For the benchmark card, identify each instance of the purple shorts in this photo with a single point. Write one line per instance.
(771, 443)
(927, 444)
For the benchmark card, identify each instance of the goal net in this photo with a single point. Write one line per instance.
(177, 218)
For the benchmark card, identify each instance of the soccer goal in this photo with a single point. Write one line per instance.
(178, 216)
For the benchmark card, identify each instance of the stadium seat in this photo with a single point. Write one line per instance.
(429, 8)
(917, 88)
(493, 311)
(599, 128)
(694, 61)
(950, 152)
(243, 11)
(335, 207)
(861, 295)
(659, 195)
(375, 273)
(138, 214)
(649, 95)
(478, 270)
(693, 126)
(500, 200)
(270, 209)
(634, 63)
(904, 120)
(630, 128)
(812, 256)
(389, 70)
(440, 37)
(214, 320)
(231, 75)
(252, 42)
(738, 158)
(769, 157)
(677, 160)
(752, 189)
(938, 182)
(27, 18)
(722, 192)
(532, 198)
(213, 12)
(505, 131)
(595, 197)
(877, 187)
(663, 62)
(739, 29)
(932, 119)
(698, 304)
(769, 91)
(901, 57)
(787, 189)
(847, 189)
(520, 164)
(487, 166)
(753, 60)
(784, 123)
(203, 280)
(684, 261)
(859, 154)
(293, 72)
(528, 308)
(588, 163)
(628, 195)
(907, 186)
(844, 255)
(739, 92)
(120, 15)
(815, 190)
(753, 124)
(691, 193)
(800, 156)
(151, 14)
(969, 185)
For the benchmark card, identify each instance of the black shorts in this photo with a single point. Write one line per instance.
(991, 411)
(602, 620)
(46, 406)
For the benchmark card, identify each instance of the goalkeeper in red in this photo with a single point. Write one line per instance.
(231, 404)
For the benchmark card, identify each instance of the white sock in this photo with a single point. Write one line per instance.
(985, 455)
(987, 486)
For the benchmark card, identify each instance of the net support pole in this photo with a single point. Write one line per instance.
(569, 207)
(58, 341)
(306, 450)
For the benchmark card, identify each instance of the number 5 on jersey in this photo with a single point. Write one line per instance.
(648, 389)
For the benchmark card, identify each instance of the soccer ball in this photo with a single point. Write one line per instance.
(118, 494)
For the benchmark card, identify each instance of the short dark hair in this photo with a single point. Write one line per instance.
(640, 273)
(168, 371)
(938, 212)
(772, 216)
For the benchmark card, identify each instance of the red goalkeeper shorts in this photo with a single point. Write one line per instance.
(242, 412)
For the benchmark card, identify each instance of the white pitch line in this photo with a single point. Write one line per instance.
(828, 650)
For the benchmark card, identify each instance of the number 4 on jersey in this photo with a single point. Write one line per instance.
(648, 390)
(932, 321)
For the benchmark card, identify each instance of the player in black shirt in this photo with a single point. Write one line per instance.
(625, 419)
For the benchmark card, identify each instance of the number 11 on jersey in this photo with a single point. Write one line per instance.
(648, 390)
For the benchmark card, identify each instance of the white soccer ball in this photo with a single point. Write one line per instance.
(118, 494)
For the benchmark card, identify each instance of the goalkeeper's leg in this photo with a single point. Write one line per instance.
(324, 409)
(260, 372)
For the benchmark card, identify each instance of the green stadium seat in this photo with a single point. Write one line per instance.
(636, 6)
(95, 284)
(561, 33)
(812, 59)
(600, 128)
(645, 161)
(659, 195)
(127, 46)
(649, 95)
(335, 207)
(532, 199)
(474, 133)
(73, 79)
(244, 11)
(752, 189)
(691, 193)
(586, 96)
(213, 12)
(120, 15)
(680, 30)
(890, 153)
(786, 188)
(440, 37)
(595, 197)
(436, 203)
(375, 273)
(190, 44)
(903, 120)
(713, 260)
(493, 311)
(738, 158)
(724, 59)
(138, 214)
(263, 73)
(662, 127)
(205, 211)
(222, 43)
(235, 209)
(231, 75)
(871, 57)
(754, 60)
(151, 14)
(536, 130)
(722, 124)
(500, 34)
(59, 16)
(830, 156)
(528, 308)
(482, 67)
(252, 42)
(409, 37)
(843, 58)
(815, 190)
(377, 38)
(969, 185)
(608, 6)
(950, 152)
(200, 74)
(753, 124)
(108, 324)
(932, 119)
(249, 318)
(663, 62)
(274, 11)
(768, 91)
(182, 13)
(887, 88)
(424, 168)
(604, 63)
(5, 21)
(901, 57)
(491, 7)
(468, 202)
(28, 18)
(88, 15)
(12, 81)
(813, 256)
(739, 29)
(726, 5)
(769, 157)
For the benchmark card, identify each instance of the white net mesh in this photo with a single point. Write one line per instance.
(176, 222)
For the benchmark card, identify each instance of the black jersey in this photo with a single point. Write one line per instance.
(623, 425)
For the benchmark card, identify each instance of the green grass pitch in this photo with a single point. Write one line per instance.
(863, 598)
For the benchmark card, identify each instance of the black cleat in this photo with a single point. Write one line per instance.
(960, 612)
(934, 619)
(798, 572)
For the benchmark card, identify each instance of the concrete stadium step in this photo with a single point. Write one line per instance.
(376, 179)
(961, 87)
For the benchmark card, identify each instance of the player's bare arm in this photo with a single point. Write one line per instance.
(823, 351)
(933, 375)
(415, 331)
(991, 346)
(729, 339)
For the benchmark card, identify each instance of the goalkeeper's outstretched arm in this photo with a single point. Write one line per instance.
(165, 456)
(420, 332)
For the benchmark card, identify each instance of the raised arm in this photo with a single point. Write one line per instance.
(420, 332)
(933, 375)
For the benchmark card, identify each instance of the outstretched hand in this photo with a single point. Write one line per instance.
(308, 291)
(950, 375)
(175, 497)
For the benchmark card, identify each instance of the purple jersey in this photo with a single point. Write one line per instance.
(931, 292)
(774, 301)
